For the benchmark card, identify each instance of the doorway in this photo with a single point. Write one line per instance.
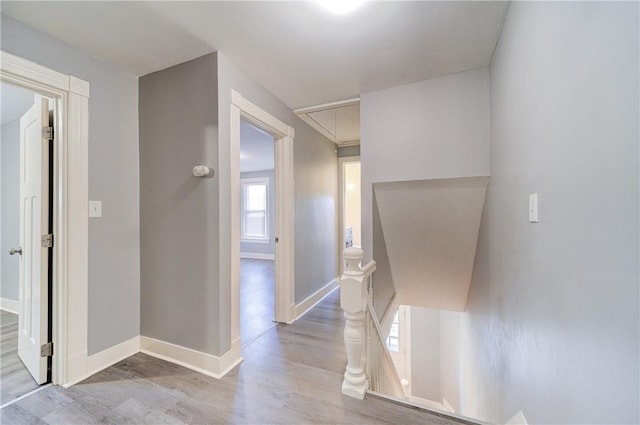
(243, 109)
(257, 232)
(350, 211)
(26, 217)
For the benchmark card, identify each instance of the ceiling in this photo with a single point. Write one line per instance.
(256, 149)
(15, 102)
(299, 51)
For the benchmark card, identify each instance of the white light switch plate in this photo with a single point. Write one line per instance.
(533, 208)
(95, 208)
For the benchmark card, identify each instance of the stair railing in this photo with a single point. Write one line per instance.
(381, 371)
(369, 363)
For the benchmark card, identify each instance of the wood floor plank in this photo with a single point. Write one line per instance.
(19, 416)
(291, 374)
(15, 379)
(257, 298)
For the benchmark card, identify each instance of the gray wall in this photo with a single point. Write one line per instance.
(114, 241)
(563, 306)
(316, 182)
(382, 279)
(179, 212)
(10, 215)
(552, 322)
(263, 248)
(433, 129)
(349, 151)
(184, 111)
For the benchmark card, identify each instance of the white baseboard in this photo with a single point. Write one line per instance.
(315, 298)
(424, 401)
(518, 419)
(83, 367)
(441, 412)
(446, 406)
(7, 304)
(205, 363)
(257, 256)
(112, 355)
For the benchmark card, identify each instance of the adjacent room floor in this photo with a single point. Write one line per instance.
(257, 298)
(290, 374)
(15, 380)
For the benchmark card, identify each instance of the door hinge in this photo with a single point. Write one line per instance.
(47, 240)
(46, 350)
(47, 133)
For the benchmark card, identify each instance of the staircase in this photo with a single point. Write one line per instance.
(369, 363)
(370, 368)
(424, 238)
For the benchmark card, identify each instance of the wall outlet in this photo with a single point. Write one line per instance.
(95, 208)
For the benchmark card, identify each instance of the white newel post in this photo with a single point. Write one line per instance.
(353, 300)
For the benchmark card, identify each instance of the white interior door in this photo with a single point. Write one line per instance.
(34, 210)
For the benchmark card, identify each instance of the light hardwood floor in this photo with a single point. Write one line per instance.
(257, 298)
(291, 374)
(15, 380)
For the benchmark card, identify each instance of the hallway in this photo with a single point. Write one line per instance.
(290, 374)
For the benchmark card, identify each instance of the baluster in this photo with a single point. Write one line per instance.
(368, 348)
(353, 300)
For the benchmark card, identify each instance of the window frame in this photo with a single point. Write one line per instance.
(244, 183)
(390, 338)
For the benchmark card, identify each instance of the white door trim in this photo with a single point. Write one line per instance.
(284, 209)
(70, 209)
(341, 203)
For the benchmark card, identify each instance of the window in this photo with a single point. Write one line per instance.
(398, 342)
(255, 212)
(393, 340)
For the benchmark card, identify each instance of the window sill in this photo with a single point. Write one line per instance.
(262, 241)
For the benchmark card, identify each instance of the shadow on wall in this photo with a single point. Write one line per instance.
(425, 234)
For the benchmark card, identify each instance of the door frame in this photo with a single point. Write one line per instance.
(284, 209)
(341, 194)
(70, 210)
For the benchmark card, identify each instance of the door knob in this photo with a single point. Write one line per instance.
(14, 251)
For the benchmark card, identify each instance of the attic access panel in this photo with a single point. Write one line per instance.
(338, 121)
